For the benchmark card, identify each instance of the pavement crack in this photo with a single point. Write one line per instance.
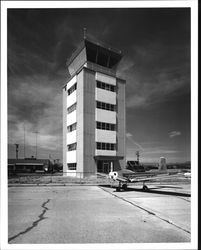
(148, 211)
(35, 223)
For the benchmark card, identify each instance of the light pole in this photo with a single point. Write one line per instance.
(36, 143)
(24, 141)
(17, 147)
(138, 156)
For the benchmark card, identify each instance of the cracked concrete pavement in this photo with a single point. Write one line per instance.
(34, 224)
(85, 214)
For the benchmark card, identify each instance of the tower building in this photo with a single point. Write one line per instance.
(93, 112)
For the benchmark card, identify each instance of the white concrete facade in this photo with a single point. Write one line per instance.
(106, 96)
(105, 153)
(71, 99)
(71, 157)
(71, 137)
(71, 118)
(106, 136)
(105, 116)
(106, 78)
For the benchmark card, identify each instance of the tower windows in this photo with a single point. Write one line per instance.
(72, 89)
(105, 86)
(106, 106)
(105, 126)
(105, 146)
(71, 108)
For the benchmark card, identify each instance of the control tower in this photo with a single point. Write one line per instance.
(93, 112)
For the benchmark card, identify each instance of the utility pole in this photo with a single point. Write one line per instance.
(85, 33)
(17, 147)
(138, 156)
(36, 143)
(24, 141)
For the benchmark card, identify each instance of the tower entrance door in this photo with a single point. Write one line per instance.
(106, 167)
(103, 166)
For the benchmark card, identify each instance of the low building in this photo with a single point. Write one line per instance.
(135, 166)
(29, 165)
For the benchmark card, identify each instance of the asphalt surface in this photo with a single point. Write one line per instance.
(91, 214)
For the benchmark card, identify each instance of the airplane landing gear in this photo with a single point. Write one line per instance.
(121, 186)
(124, 187)
(145, 188)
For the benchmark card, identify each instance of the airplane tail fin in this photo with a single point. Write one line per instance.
(162, 164)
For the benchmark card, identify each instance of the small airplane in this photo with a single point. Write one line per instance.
(124, 177)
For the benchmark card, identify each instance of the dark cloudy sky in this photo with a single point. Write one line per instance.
(156, 65)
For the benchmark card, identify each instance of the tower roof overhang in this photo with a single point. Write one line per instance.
(98, 53)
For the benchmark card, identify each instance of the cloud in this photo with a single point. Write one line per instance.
(129, 136)
(136, 101)
(36, 102)
(126, 65)
(155, 65)
(174, 133)
(162, 151)
(153, 74)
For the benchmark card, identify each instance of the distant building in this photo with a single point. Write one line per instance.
(135, 166)
(162, 163)
(29, 165)
(93, 112)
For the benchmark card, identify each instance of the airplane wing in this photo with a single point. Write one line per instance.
(118, 178)
(122, 179)
(151, 176)
(102, 175)
(156, 177)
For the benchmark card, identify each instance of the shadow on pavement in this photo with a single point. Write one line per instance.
(152, 190)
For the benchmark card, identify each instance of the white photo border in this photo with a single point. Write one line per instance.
(193, 4)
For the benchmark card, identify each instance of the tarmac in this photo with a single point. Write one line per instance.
(55, 214)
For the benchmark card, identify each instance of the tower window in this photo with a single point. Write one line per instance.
(72, 146)
(72, 127)
(98, 145)
(71, 108)
(72, 166)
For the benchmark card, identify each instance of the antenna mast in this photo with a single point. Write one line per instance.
(36, 143)
(17, 147)
(85, 33)
(24, 140)
(138, 156)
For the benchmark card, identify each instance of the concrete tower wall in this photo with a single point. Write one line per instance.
(121, 121)
(78, 61)
(80, 121)
(89, 121)
(64, 130)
